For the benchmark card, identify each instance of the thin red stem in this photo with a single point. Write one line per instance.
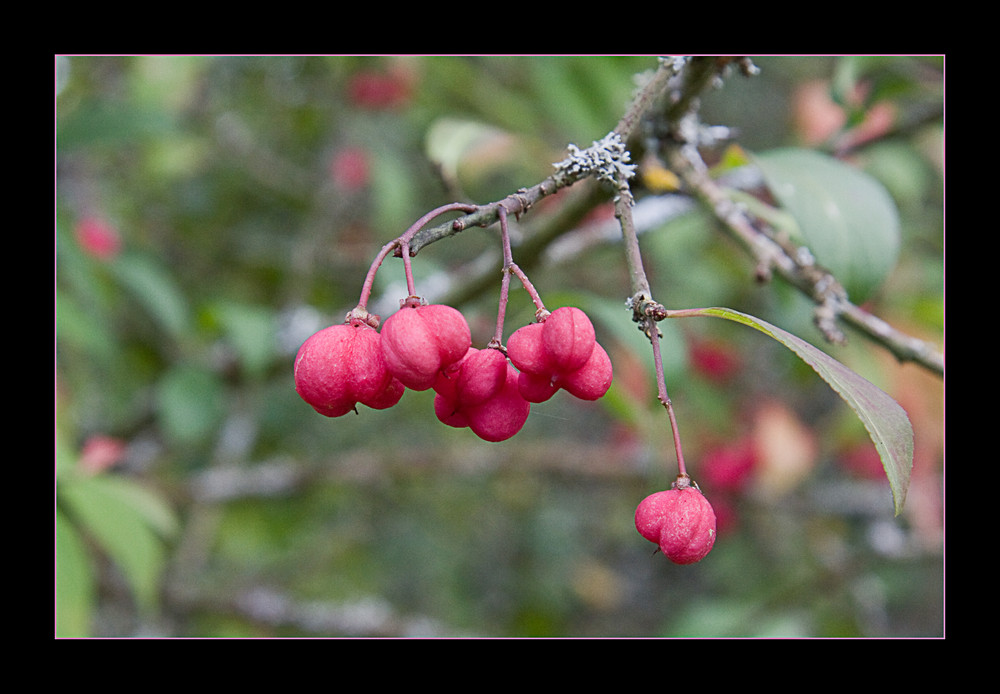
(404, 250)
(366, 288)
(403, 244)
(530, 288)
(663, 397)
(511, 268)
(508, 261)
(640, 287)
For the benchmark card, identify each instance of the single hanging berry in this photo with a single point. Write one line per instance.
(680, 520)
(341, 366)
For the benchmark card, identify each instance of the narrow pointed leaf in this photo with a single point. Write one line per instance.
(886, 422)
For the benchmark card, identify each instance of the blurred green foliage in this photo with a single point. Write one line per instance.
(213, 212)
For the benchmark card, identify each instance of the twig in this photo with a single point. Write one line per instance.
(641, 301)
(797, 267)
(678, 116)
(521, 201)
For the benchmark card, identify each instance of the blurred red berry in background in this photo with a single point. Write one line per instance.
(728, 468)
(98, 238)
(713, 360)
(862, 460)
(377, 90)
(101, 452)
(727, 514)
(349, 168)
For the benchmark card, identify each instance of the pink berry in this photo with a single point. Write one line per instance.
(568, 338)
(526, 349)
(388, 397)
(448, 413)
(503, 415)
(472, 379)
(481, 393)
(592, 380)
(342, 365)
(536, 387)
(418, 341)
(650, 515)
(446, 382)
(681, 521)
(483, 374)
(561, 352)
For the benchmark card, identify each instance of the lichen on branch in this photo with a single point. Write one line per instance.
(607, 160)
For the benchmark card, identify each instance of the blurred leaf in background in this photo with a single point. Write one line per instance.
(213, 212)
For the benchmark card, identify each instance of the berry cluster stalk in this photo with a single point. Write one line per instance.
(401, 246)
(511, 268)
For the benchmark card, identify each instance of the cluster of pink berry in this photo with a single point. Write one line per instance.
(680, 520)
(489, 391)
(424, 347)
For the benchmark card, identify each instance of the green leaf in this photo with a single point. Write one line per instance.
(886, 422)
(844, 216)
(128, 523)
(75, 585)
(190, 402)
(155, 288)
(250, 329)
(111, 124)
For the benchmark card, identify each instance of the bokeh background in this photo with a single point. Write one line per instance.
(213, 212)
